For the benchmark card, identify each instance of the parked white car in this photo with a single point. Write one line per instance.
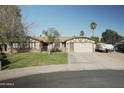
(104, 47)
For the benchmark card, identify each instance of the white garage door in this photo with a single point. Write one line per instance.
(83, 47)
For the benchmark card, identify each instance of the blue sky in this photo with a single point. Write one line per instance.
(70, 20)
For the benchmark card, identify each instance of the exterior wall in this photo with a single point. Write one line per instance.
(14, 50)
(62, 46)
(34, 50)
(32, 46)
(35, 46)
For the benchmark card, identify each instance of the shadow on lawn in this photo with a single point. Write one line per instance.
(4, 61)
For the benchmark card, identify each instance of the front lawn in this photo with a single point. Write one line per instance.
(20, 60)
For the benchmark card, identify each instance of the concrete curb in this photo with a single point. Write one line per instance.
(20, 72)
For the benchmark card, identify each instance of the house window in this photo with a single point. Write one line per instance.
(55, 45)
(15, 45)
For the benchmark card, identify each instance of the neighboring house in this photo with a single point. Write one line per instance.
(40, 44)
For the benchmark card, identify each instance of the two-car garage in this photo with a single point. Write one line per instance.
(79, 45)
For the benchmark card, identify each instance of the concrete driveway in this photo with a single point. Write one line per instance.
(98, 60)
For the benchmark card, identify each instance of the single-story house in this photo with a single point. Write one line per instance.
(40, 44)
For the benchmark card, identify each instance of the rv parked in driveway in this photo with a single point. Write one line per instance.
(102, 47)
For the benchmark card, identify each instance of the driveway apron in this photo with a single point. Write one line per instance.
(95, 60)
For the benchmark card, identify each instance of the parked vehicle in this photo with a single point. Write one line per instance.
(119, 47)
(104, 47)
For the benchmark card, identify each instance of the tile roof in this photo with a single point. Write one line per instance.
(61, 38)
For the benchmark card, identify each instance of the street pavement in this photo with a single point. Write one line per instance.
(70, 79)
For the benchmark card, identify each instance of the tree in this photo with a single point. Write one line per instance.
(82, 33)
(93, 27)
(11, 29)
(52, 36)
(96, 39)
(110, 36)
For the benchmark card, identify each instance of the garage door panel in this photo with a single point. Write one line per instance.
(82, 47)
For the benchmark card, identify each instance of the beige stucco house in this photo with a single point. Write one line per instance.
(40, 44)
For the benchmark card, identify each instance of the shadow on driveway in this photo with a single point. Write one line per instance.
(70, 79)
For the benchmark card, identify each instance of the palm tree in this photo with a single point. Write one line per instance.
(93, 26)
(82, 33)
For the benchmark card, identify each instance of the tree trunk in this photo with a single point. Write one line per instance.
(11, 48)
(93, 43)
(93, 33)
(49, 50)
(0, 65)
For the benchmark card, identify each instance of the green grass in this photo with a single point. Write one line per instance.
(20, 60)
